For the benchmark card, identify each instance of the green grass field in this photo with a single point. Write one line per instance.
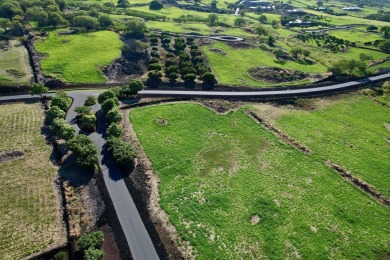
(79, 58)
(14, 65)
(351, 132)
(356, 36)
(232, 68)
(234, 191)
(30, 219)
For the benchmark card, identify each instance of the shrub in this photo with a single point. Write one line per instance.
(208, 77)
(171, 69)
(60, 128)
(114, 130)
(62, 101)
(89, 122)
(109, 104)
(122, 152)
(188, 70)
(133, 88)
(154, 66)
(85, 154)
(155, 74)
(92, 240)
(189, 77)
(90, 101)
(156, 5)
(55, 112)
(38, 89)
(93, 254)
(154, 60)
(60, 255)
(114, 115)
(106, 95)
(153, 40)
(170, 62)
(83, 110)
(170, 55)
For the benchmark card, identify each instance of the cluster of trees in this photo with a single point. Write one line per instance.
(178, 62)
(86, 118)
(297, 53)
(381, 15)
(156, 5)
(110, 106)
(349, 68)
(91, 244)
(326, 41)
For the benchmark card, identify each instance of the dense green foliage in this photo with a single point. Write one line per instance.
(60, 128)
(114, 130)
(92, 240)
(55, 112)
(108, 94)
(84, 150)
(38, 89)
(122, 152)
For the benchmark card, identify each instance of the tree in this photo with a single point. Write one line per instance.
(85, 21)
(82, 110)
(213, 4)
(305, 53)
(105, 21)
(212, 19)
(114, 130)
(92, 240)
(62, 101)
(320, 3)
(239, 22)
(5, 23)
(89, 122)
(55, 19)
(123, 3)
(386, 31)
(55, 112)
(173, 76)
(349, 67)
(38, 89)
(60, 128)
(271, 41)
(155, 74)
(135, 28)
(209, 78)
(107, 95)
(171, 69)
(263, 18)
(10, 9)
(295, 52)
(372, 28)
(260, 30)
(365, 57)
(109, 104)
(190, 77)
(132, 88)
(386, 46)
(275, 24)
(156, 5)
(86, 156)
(153, 41)
(179, 46)
(122, 152)
(114, 116)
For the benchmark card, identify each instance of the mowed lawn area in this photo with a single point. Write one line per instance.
(79, 58)
(233, 190)
(14, 65)
(353, 132)
(30, 218)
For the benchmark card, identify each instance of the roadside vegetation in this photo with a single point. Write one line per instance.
(233, 173)
(30, 208)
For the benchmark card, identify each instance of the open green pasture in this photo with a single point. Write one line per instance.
(232, 66)
(79, 58)
(233, 190)
(356, 35)
(30, 215)
(14, 65)
(351, 132)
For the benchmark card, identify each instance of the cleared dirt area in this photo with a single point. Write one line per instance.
(30, 216)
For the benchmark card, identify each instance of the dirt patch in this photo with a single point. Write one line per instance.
(276, 75)
(10, 156)
(111, 251)
(279, 133)
(360, 184)
(255, 219)
(161, 121)
(218, 51)
(121, 70)
(242, 45)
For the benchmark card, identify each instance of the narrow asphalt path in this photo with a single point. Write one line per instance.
(137, 237)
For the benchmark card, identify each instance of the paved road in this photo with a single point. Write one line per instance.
(137, 237)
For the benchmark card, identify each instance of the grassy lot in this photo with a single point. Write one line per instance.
(14, 65)
(30, 218)
(217, 173)
(351, 132)
(356, 36)
(225, 66)
(78, 58)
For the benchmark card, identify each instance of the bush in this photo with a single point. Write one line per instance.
(90, 101)
(55, 112)
(189, 77)
(208, 77)
(133, 88)
(93, 254)
(122, 152)
(154, 60)
(155, 74)
(109, 94)
(38, 89)
(60, 255)
(109, 104)
(156, 5)
(83, 110)
(92, 240)
(86, 156)
(114, 130)
(154, 66)
(61, 129)
(62, 101)
(114, 116)
(89, 122)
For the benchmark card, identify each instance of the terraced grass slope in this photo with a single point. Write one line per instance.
(79, 58)
(30, 220)
(234, 190)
